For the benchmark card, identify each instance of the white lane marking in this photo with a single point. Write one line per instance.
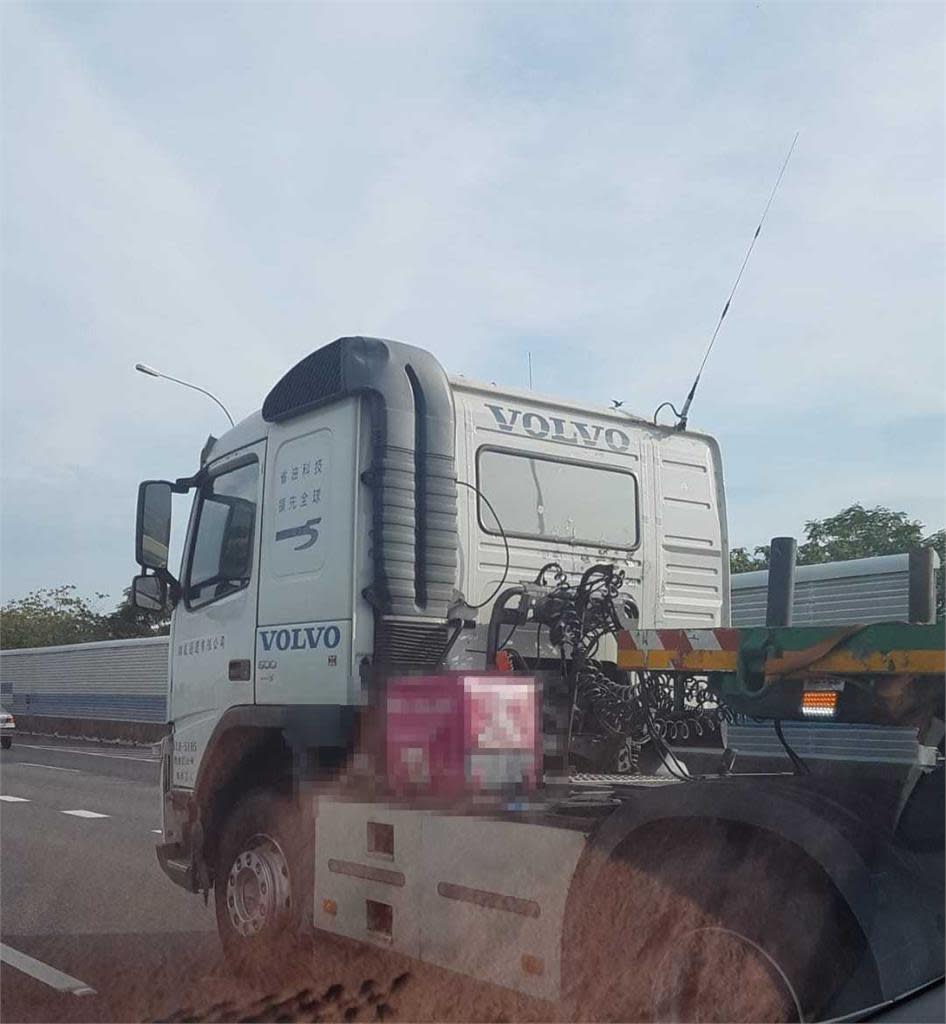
(55, 767)
(91, 753)
(87, 814)
(156, 831)
(15, 799)
(43, 972)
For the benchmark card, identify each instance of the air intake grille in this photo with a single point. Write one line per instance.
(414, 644)
(316, 378)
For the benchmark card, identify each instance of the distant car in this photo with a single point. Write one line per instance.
(7, 729)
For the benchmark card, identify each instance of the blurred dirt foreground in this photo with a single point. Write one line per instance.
(337, 981)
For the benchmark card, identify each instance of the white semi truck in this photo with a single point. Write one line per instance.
(405, 708)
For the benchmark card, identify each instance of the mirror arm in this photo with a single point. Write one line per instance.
(174, 588)
(184, 483)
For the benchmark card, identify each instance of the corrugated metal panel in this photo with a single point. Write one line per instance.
(113, 707)
(859, 591)
(875, 744)
(124, 680)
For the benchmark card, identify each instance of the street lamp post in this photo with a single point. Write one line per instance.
(150, 371)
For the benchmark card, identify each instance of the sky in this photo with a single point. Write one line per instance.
(219, 189)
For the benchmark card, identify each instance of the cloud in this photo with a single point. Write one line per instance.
(220, 189)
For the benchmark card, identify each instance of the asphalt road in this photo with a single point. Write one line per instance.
(81, 895)
(91, 930)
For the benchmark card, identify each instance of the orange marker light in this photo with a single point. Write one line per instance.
(819, 703)
(330, 907)
(532, 964)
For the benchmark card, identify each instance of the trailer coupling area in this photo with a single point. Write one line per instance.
(884, 673)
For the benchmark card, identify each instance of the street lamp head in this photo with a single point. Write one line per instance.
(152, 372)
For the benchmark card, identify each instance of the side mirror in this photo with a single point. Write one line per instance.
(149, 594)
(153, 531)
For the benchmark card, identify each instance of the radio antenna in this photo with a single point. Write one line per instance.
(684, 412)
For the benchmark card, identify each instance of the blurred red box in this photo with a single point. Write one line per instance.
(463, 732)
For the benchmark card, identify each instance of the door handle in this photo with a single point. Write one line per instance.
(239, 670)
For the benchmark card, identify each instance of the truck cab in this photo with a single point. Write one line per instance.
(372, 511)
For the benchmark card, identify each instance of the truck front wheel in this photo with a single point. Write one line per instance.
(259, 889)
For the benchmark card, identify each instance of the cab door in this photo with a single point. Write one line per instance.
(306, 617)
(212, 640)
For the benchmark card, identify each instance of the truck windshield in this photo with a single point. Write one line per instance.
(545, 498)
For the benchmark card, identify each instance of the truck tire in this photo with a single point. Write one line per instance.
(709, 922)
(260, 891)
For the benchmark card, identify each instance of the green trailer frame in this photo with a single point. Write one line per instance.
(888, 673)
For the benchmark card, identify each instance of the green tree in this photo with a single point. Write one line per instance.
(58, 615)
(740, 560)
(127, 621)
(51, 615)
(858, 532)
(855, 532)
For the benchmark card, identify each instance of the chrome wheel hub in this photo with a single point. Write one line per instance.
(258, 892)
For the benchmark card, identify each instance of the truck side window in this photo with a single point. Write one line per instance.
(221, 557)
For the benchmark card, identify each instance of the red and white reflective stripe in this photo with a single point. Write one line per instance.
(681, 641)
(691, 650)
(675, 640)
